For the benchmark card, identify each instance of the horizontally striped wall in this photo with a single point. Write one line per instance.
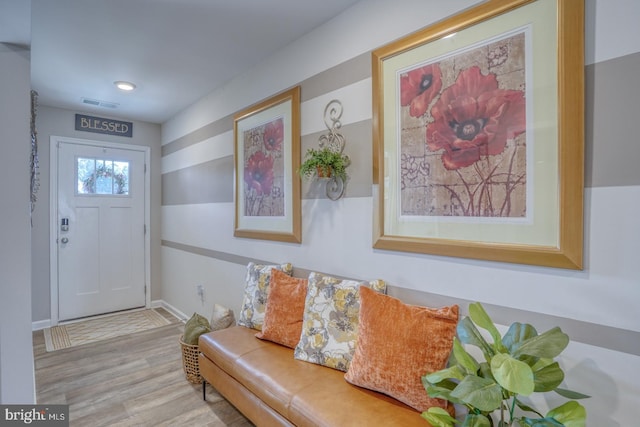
(605, 165)
(211, 180)
(210, 144)
(596, 307)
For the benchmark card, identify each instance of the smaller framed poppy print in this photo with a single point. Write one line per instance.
(267, 156)
(479, 135)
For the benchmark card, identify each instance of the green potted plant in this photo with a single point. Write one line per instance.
(324, 163)
(516, 364)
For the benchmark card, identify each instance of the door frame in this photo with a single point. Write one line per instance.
(53, 214)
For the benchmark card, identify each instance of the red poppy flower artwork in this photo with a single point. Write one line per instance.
(274, 135)
(264, 170)
(463, 139)
(474, 118)
(258, 173)
(419, 87)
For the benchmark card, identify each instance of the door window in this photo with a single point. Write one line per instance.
(102, 177)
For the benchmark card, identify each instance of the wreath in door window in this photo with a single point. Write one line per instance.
(119, 180)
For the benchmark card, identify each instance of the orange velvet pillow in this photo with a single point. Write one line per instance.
(284, 309)
(398, 344)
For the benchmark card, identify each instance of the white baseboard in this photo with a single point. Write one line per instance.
(40, 324)
(171, 309)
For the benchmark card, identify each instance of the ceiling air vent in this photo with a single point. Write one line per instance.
(108, 104)
(90, 102)
(98, 103)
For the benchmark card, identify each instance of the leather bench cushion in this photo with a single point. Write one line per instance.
(224, 347)
(305, 393)
(332, 401)
(245, 401)
(276, 377)
(266, 369)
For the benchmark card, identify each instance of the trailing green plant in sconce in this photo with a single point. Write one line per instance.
(324, 163)
(328, 161)
(519, 363)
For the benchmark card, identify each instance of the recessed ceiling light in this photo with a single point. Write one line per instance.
(126, 86)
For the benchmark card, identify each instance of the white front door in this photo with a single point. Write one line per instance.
(100, 229)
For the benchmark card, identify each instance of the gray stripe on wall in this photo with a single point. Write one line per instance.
(612, 149)
(345, 74)
(608, 337)
(209, 182)
(212, 182)
(358, 148)
(222, 125)
(349, 72)
(209, 253)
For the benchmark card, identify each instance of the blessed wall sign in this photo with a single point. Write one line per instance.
(102, 125)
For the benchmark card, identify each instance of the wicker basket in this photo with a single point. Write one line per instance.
(190, 362)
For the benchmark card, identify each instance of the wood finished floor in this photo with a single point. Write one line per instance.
(134, 380)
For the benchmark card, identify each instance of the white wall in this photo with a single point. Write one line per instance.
(337, 236)
(16, 348)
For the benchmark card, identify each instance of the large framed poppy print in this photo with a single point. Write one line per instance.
(479, 135)
(267, 156)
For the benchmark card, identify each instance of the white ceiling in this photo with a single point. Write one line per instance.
(175, 51)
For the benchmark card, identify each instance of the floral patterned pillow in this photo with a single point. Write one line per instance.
(330, 321)
(255, 293)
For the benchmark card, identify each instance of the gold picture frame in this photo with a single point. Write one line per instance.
(267, 157)
(478, 127)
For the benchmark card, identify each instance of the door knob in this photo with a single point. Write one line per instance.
(64, 240)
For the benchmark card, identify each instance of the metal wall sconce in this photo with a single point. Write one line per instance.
(335, 142)
(328, 162)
